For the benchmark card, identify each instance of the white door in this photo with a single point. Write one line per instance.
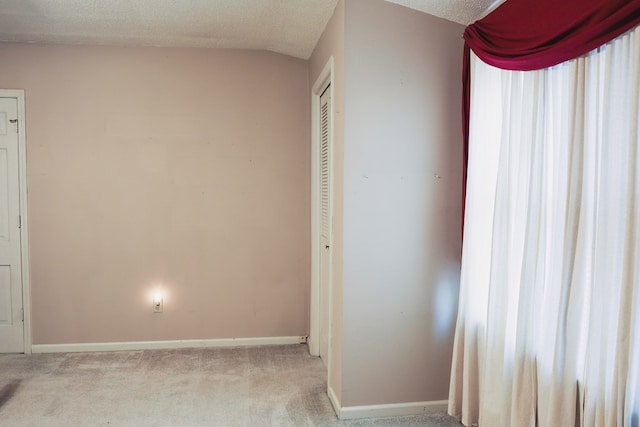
(325, 223)
(11, 310)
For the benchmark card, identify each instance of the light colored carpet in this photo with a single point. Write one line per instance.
(249, 386)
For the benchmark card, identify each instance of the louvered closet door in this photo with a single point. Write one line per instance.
(325, 221)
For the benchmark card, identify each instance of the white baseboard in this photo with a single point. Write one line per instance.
(161, 345)
(334, 401)
(392, 410)
(387, 410)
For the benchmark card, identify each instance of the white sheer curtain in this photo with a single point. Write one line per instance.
(548, 330)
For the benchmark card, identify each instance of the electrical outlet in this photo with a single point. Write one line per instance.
(157, 305)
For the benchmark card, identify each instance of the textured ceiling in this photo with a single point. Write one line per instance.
(291, 27)
(460, 11)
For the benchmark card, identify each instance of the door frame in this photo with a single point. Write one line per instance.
(18, 94)
(324, 79)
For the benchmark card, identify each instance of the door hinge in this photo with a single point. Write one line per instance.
(22, 314)
(19, 221)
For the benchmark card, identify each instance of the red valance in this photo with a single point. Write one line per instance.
(534, 34)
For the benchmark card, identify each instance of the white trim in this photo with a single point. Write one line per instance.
(314, 309)
(18, 94)
(392, 410)
(324, 79)
(335, 402)
(162, 345)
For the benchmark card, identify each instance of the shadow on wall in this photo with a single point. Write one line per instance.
(445, 261)
(8, 391)
(445, 299)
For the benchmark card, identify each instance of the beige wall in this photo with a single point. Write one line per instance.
(182, 169)
(331, 44)
(401, 222)
(188, 170)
